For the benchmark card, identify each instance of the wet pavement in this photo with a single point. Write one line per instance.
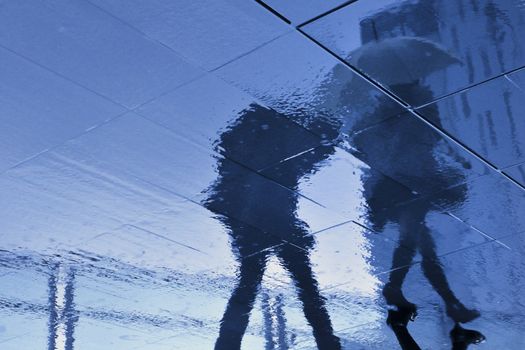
(262, 174)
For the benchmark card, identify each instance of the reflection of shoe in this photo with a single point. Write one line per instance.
(394, 296)
(462, 336)
(459, 313)
(400, 317)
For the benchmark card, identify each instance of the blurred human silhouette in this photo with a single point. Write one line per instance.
(407, 151)
(242, 197)
(409, 154)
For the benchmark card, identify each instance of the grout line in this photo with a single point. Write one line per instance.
(191, 200)
(337, 8)
(164, 237)
(248, 52)
(50, 149)
(186, 59)
(143, 34)
(470, 87)
(515, 165)
(332, 227)
(272, 10)
(63, 76)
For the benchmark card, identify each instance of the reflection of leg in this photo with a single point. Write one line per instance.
(398, 320)
(436, 276)
(462, 338)
(235, 319)
(403, 257)
(297, 262)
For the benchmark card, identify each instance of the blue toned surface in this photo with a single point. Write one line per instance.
(202, 175)
(445, 45)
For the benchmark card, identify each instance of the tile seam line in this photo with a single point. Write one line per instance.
(143, 34)
(47, 69)
(196, 202)
(273, 11)
(469, 87)
(55, 147)
(219, 67)
(158, 235)
(251, 170)
(515, 165)
(178, 54)
(420, 260)
(415, 113)
(326, 13)
(95, 92)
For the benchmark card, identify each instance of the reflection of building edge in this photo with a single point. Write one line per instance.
(62, 315)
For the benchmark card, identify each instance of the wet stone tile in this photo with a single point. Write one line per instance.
(440, 46)
(299, 12)
(40, 111)
(79, 41)
(207, 33)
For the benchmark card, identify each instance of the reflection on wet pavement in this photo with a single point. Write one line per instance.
(205, 175)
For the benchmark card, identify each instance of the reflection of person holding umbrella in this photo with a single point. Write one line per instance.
(400, 64)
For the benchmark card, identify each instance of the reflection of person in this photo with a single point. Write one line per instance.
(239, 194)
(409, 154)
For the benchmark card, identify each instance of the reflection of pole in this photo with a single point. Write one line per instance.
(281, 325)
(274, 322)
(62, 316)
(267, 322)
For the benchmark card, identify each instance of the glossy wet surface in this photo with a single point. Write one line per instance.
(204, 174)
